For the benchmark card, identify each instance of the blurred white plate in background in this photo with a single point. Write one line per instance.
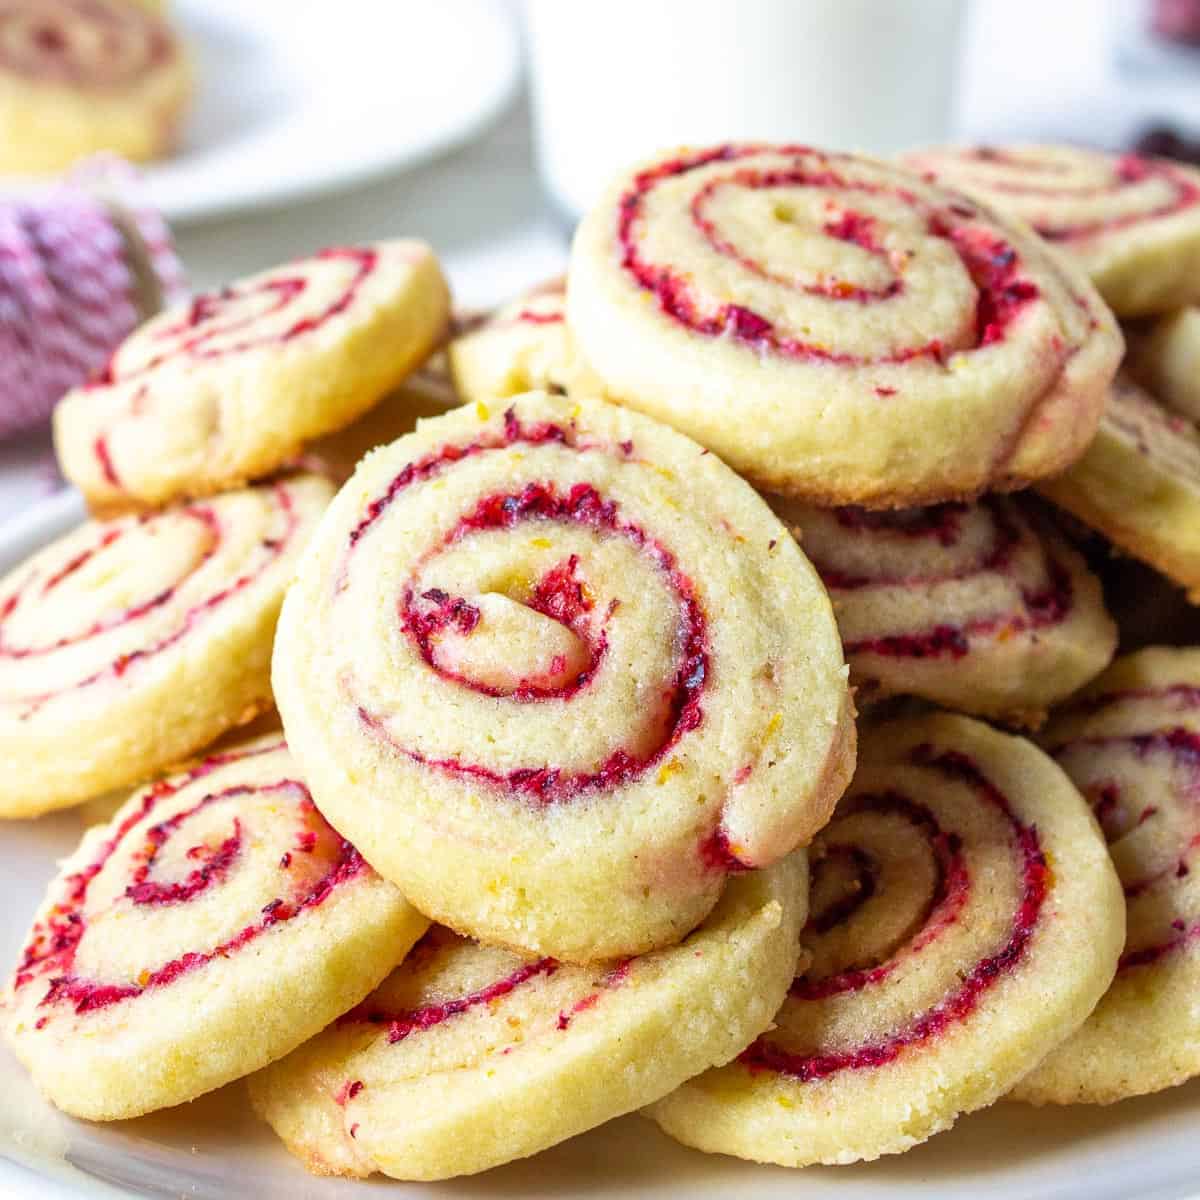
(215, 1149)
(299, 97)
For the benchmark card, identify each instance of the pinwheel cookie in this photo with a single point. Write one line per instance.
(1131, 743)
(1166, 358)
(836, 328)
(131, 643)
(231, 386)
(980, 607)
(1139, 484)
(78, 76)
(469, 1056)
(521, 346)
(557, 671)
(425, 393)
(1132, 223)
(211, 927)
(964, 920)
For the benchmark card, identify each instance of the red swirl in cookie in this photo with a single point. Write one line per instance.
(132, 642)
(783, 271)
(963, 920)
(86, 44)
(981, 607)
(891, 881)
(217, 894)
(464, 1038)
(522, 345)
(1002, 287)
(1131, 744)
(1123, 217)
(46, 626)
(232, 385)
(165, 851)
(1073, 195)
(534, 623)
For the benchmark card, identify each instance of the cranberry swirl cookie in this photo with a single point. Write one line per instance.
(1132, 223)
(231, 386)
(80, 76)
(211, 927)
(979, 607)
(964, 920)
(1165, 356)
(1131, 743)
(469, 1056)
(131, 643)
(1139, 484)
(836, 328)
(557, 672)
(522, 346)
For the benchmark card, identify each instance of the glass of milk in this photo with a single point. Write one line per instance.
(616, 80)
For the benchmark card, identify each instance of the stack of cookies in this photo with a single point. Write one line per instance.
(570, 814)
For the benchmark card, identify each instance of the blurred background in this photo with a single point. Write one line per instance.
(484, 126)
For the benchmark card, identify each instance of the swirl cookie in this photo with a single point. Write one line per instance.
(80, 76)
(1132, 223)
(520, 347)
(1131, 743)
(469, 1056)
(425, 393)
(1139, 484)
(964, 920)
(230, 386)
(211, 927)
(836, 328)
(557, 671)
(979, 607)
(129, 644)
(1166, 358)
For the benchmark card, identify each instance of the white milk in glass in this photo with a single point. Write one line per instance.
(615, 80)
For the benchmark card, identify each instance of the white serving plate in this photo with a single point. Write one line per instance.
(215, 1149)
(299, 97)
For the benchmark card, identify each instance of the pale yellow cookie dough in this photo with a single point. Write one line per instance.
(1132, 223)
(836, 328)
(522, 346)
(980, 607)
(129, 644)
(1130, 744)
(82, 76)
(556, 670)
(1139, 484)
(964, 920)
(1166, 358)
(469, 1056)
(232, 386)
(212, 926)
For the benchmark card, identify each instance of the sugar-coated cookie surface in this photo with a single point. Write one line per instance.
(1132, 223)
(981, 607)
(212, 926)
(81, 76)
(556, 671)
(231, 386)
(130, 643)
(964, 920)
(520, 347)
(469, 1056)
(1131, 743)
(1165, 356)
(1139, 484)
(837, 328)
